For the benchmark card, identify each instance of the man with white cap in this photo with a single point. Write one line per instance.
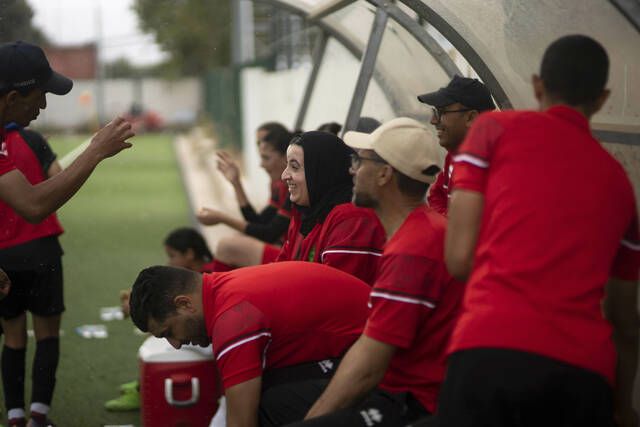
(392, 374)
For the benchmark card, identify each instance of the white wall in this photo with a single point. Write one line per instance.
(175, 101)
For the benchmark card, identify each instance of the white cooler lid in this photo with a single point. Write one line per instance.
(157, 350)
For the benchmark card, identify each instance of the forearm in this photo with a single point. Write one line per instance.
(34, 203)
(241, 196)
(235, 223)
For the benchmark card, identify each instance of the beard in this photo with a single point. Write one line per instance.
(364, 200)
(198, 331)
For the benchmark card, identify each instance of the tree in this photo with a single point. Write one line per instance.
(196, 33)
(15, 23)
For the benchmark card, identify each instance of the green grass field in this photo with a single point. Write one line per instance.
(114, 227)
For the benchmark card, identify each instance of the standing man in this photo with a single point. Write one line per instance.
(29, 249)
(269, 324)
(25, 78)
(391, 376)
(533, 320)
(454, 109)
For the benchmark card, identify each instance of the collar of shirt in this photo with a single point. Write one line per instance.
(569, 114)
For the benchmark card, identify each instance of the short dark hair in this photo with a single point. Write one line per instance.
(409, 186)
(575, 69)
(331, 127)
(276, 135)
(185, 238)
(154, 290)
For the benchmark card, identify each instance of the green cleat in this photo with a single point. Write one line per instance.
(129, 401)
(130, 386)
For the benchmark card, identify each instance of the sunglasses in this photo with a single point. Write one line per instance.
(439, 112)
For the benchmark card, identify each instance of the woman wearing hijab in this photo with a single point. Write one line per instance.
(325, 226)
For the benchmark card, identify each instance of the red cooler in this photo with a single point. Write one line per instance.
(179, 387)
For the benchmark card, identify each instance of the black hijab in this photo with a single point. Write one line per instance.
(326, 168)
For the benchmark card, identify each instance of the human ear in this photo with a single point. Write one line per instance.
(183, 303)
(385, 174)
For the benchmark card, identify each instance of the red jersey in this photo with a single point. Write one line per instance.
(280, 314)
(6, 165)
(440, 191)
(280, 198)
(414, 306)
(350, 239)
(15, 230)
(559, 219)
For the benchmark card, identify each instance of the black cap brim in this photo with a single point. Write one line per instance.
(437, 99)
(58, 84)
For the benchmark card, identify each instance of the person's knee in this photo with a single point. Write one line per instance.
(46, 326)
(15, 332)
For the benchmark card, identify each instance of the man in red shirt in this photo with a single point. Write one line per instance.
(391, 376)
(26, 77)
(541, 217)
(269, 324)
(455, 106)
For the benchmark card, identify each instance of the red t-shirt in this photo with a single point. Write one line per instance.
(350, 239)
(559, 219)
(440, 191)
(280, 314)
(415, 304)
(15, 230)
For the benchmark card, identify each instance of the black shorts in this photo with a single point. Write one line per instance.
(509, 388)
(38, 290)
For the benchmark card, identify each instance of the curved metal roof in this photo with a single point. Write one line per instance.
(502, 40)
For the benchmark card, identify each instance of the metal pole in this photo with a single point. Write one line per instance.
(318, 56)
(366, 69)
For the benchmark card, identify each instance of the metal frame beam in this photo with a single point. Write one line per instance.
(421, 35)
(327, 8)
(318, 56)
(464, 48)
(366, 69)
(630, 9)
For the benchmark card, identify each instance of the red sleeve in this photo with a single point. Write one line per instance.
(438, 196)
(626, 265)
(473, 159)
(283, 203)
(240, 337)
(353, 244)
(6, 165)
(407, 289)
(286, 252)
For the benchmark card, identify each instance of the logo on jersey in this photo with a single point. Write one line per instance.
(326, 366)
(371, 417)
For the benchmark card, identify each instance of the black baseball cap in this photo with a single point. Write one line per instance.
(23, 66)
(469, 92)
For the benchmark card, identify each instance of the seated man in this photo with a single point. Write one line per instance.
(269, 324)
(392, 375)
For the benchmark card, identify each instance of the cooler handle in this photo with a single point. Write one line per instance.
(168, 393)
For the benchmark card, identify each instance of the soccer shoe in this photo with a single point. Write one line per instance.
(129, 401)
(131, 385)
(40, 421)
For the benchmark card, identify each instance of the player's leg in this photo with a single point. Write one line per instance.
(14, 323)
(46, 306)
(240, 251)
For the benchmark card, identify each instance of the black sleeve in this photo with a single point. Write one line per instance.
(40, 148)
(249, 213)
(264, 217)
(270, 232)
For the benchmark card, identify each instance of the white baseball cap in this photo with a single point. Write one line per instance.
(406, 144)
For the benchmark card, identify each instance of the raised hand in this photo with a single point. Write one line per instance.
(111, 139)
(228, 167)
(208, 216)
